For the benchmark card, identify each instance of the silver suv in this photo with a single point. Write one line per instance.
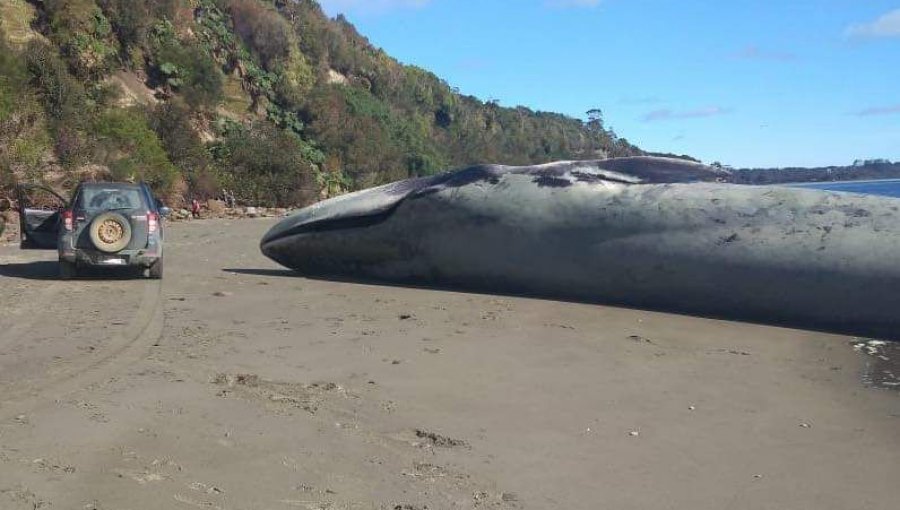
(104, 225)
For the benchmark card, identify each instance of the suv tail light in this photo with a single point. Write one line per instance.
(152, 222)
(68, 218)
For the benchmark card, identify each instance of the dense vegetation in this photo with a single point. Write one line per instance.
(860, 170)
(269, 98)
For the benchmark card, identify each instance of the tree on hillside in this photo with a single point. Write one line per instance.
(595, 119)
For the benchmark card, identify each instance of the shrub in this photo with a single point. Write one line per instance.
(263, 30)
(295, 79)
(13, 78)
(185, 68)
(64, 97)
(269, 166)
(132, 150)
(172, 123)
(64, 100)
(84, 34)
(131, 20)
(375, 143)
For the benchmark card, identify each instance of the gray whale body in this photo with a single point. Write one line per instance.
(652, 233)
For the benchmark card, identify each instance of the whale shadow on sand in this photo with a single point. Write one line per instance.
(854, 331)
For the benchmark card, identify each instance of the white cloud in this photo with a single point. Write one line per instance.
(887, 25)
(879, 110)
(370, 6)
(668, 114)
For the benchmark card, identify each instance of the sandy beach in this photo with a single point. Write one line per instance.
(233, 384)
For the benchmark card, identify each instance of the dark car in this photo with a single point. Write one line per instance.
(104, 225)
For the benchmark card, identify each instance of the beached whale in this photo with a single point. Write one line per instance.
(642, 232)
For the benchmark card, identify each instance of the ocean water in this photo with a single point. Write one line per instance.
(887, 188)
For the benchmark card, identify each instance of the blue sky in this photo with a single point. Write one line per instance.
(744, 82)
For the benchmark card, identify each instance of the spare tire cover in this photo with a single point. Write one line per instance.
(110, 232)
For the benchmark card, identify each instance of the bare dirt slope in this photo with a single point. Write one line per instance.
(232, 385)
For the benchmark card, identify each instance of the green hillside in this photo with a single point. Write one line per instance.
(271, 99)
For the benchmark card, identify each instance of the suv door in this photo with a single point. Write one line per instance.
(39, 216)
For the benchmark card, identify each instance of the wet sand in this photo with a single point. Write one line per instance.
(234, 385)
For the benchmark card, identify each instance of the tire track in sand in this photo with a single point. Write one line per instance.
(144, 329)
(28, 314)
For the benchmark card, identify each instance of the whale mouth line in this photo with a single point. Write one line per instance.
(336, 224)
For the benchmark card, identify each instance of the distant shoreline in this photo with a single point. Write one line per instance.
(862, 181)
(881, 187)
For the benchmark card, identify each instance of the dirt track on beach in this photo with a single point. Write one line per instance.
(234, 385)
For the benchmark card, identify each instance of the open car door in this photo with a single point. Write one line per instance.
(39, 216)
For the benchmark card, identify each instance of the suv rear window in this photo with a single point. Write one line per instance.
(105, 199)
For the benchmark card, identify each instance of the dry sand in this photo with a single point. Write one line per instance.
(233, 385)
